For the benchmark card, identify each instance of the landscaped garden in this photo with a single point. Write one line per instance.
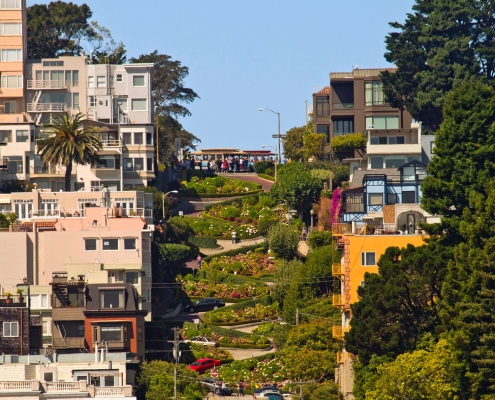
(255, 264)
(247, 311)
(217, 185)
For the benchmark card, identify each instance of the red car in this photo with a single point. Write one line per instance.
(204, 364)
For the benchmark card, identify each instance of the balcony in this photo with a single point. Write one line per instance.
(57, 214)
(342, 356)
(338, 332)
(46, 107)
(12, 301)
(341, 229)
(338, 300)
(19, 386)
(134, 213)
(343, 106)
(68, 343)
(48, 170)
(111, 143)
(338, 269)
(47, 84)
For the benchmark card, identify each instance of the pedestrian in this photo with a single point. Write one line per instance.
(240, 388)
(224, 388)
(304, 233)
(200, 261)
(234, 237)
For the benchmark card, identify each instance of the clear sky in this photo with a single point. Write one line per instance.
(247, 54)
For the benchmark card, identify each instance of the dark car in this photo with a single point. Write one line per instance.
(205, 305)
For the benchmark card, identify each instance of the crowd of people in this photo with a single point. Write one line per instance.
(229, 164)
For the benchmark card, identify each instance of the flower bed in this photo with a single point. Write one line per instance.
(220, 185)
(250, 264)
(247, 211)
(220, 229)
(232, 315)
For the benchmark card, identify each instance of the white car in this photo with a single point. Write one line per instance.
(202, 341)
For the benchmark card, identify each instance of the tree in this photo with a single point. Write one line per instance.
(169, 129)
(7, 219)
(296, 186)
(441, 44)
(314, 146)
(418, 375)
(283, 240)
(346, 145)
(400, 304)
(156, 382)
(294, 143)
(70, 139)
(105, 49)
(464, 159)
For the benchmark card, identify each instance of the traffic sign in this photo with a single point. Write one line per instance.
(214, 373)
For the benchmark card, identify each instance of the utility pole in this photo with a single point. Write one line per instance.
(300, 391)
(156, 138)
(297, 316)
(176, 352)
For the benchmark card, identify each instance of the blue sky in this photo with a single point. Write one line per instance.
(243, 55)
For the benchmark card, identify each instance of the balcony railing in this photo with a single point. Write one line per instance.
(111, 143)
(46, 107)
(19, 386)
(338, 332)
(68, 342)
(52, 387)
(134, 213)
(341, 229)
(12, 301)
(343, 106)
(338, 300)
(342, 356)
(47, 84)
(337, 269)
(57, 214)
(48, 170)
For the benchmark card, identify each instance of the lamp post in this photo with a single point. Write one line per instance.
(311, 212)
(274, 148)
(163, 201)
(278, 136)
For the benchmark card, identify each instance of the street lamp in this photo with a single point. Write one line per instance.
(311, 212)
(274, 148)
(163, 201)
(278, 136)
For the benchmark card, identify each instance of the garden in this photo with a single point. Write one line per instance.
(217, 186)
(254, 264)
(218, 284)
(257, 309)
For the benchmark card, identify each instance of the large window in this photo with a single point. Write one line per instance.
(11, 329)
(132, 277)
(91, 81)
(10, 4)
(374, 93)
(149, 138)
(149, 164)
(14, 164)
(127, 138)
(138, 80)
(409, 197)
(10, 107)
(138, 164)
(22, 136)
(376, 162)
(354, 202)
(139, 104)
(112, 299)
(375, 199)
(110, 244)
(128, 164)
(90, 244)
(138, 138)
(386, 122)
(387, 140)
(11, 55)
(324, 130)
(108, 162)
(11, 81)
(368, 258)
(395, 161)
(322, 106)
(39, 301)
(5, 136)
(129, 244)
(343, 127)
(11, 29)
(110, 333)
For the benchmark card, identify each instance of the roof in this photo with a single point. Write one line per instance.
(325, 90)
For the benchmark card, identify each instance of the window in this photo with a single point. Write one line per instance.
(111, 299)
(395, 161)
(140, 333)
(127, 138)
(378, 140)
(11, 329)
(138, 164)
(110, 333)
(119, 78)
(408, 197)
(39, 301)
(48, 376)
(92, 101)
(374, 93)
(361, 284)
(132, 277)
(343, 127)
(389, 122)
(22, 136)
(138, 80)
(11, 81)
(138, 138)
(10, 107)
(368, 258)
(149, 138)
(128, 164)
(107, 162)
(100, 81)
(354, 202)
(147, 269)
(396, 140)
(5, 136)
(47, 328)
(130, 244)
(75, 100)
(391, 198)
(375, 199)
(90, 245)
(324, 130)
(53, 63)
(75, 78)
(11, 55)
(322, 106)
(111, 244)
(376, 162)
(149, 164)
(10, 4)
(139, 104)
(10, 29)
(145, 245)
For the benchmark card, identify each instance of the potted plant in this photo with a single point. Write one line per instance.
(8, 295)
(21, 297)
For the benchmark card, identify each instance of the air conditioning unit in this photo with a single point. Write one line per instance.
(370, 126)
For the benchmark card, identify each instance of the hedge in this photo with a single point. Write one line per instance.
(229, 202)
(250, 321)
(226, 299)
(234, 252)
(191, 193)
(204, 242)
(267, 177)
(222, 277)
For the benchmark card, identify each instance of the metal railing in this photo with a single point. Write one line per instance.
(47, 84)
(57, 214)
(338, 300)
(110, 391)
(337, 269)
(338, 332)
(46, 107)
(70, 342)
(111, 143)
(342, 106)
(341, 228)
(52, 169)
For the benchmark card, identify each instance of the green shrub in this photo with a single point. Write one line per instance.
(204, 242)
(264, 225)
(250, 199)
(283, 240)
(241, 250)
(260, 167)
(319, 239)
(259, 250)
(174, 252)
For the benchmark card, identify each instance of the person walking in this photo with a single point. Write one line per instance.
(199, 260)
(240, 389)
(234, 237)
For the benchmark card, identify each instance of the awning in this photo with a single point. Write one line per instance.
(4, 201)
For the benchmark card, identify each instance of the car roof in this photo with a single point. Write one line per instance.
(204, 359)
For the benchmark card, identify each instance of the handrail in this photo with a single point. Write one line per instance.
(47, 84)
(40, 107)
(64, 213)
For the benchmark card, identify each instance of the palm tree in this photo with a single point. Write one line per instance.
(69, 139)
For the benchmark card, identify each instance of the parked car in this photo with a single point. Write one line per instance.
(215, 386)
(268, 396)
(266, 389)
(206, 304)
(204, 364)
(202, 341)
